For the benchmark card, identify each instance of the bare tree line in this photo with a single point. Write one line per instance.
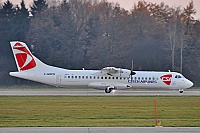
(93, 34)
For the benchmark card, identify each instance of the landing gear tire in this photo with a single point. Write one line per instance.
(108, 90)
(181, 90)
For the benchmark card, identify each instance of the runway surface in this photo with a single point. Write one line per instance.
(95, 93)
(101, 130)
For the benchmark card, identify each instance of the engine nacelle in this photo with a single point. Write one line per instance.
(117, 72)
(123, 73)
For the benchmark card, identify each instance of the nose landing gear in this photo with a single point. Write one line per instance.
(181, 90)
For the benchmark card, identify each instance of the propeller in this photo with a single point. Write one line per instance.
(132, 72)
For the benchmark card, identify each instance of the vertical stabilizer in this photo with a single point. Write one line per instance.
(24, 59)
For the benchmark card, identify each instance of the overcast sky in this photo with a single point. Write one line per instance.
(128, 4)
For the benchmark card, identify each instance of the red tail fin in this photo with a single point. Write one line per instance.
(23, 56)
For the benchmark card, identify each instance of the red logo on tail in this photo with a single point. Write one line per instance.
(166, 79)
(24, 58)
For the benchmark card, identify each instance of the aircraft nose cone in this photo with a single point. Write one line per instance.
(190, 84)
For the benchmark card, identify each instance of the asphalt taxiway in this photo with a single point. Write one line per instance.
(100, 130)
(95, 93)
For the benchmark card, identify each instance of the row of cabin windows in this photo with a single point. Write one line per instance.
(93, 77)
(103, 77)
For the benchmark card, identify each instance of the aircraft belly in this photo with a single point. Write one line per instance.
(155, 85)
(103, 85)
(74, 83)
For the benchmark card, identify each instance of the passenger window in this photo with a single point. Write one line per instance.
(101, 77)
(82, 77)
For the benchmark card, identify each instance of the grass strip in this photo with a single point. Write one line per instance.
(70, 111)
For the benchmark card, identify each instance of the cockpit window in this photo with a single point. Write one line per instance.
(178, 76)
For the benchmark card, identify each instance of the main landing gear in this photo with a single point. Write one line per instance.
(109, 89)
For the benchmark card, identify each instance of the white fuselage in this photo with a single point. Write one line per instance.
(96, 79)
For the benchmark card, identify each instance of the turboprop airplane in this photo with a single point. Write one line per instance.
(109, 78)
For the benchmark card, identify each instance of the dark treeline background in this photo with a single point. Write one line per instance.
(93, 34)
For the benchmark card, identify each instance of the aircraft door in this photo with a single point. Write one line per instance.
(174, 83)
(58, 79)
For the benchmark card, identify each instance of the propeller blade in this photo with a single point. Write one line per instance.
(132, 66)
(132, 73)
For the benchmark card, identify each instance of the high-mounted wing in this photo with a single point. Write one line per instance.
(110, 70)
(118, 72)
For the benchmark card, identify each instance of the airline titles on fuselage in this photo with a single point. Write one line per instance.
(142, 81)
